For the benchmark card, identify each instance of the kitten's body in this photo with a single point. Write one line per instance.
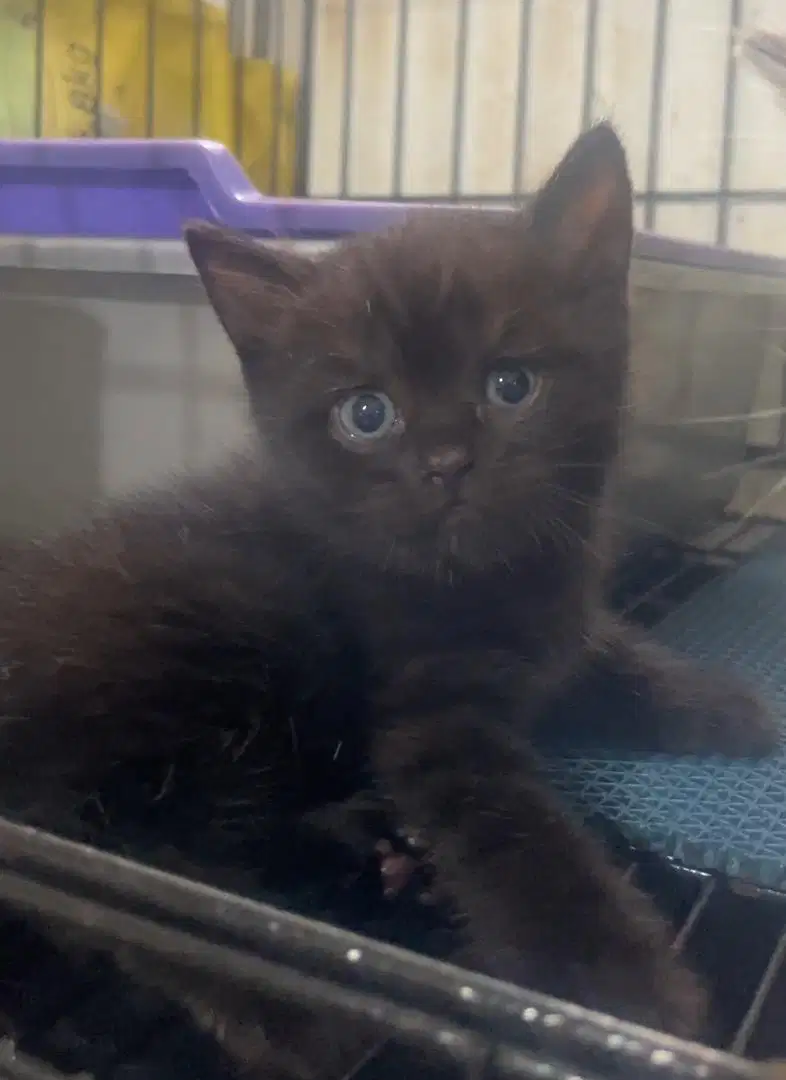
(409, 604)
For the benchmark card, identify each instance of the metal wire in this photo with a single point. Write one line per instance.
(150, 56)
(459, 98)
(590, 57)
(656, 110)
(269, 30)
(277, 30)
(745, 1031)
(729, 119)
(522, 87)
(400, 115)
(704, 897)
(347, 96)
(98, 104)
(197, 15)
(305, 94)
(239, 104)
(457, 1015)
(40, 17)
(478, 1026)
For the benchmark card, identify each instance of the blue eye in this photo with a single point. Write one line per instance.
(508, 387)
(367, 415)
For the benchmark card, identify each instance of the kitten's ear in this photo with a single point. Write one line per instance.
(244, 281)
(583, 216)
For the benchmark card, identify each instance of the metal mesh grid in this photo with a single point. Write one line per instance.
(360, 81)
(662, 28)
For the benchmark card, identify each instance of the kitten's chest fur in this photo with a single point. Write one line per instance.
(522, 610)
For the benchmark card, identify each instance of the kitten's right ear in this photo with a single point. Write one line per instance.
(244, 281)
(583, 215)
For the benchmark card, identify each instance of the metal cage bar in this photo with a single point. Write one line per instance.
(298, 79)
(456, 1023)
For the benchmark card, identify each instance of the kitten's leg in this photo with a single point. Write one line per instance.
(545, 907)
(658, 700)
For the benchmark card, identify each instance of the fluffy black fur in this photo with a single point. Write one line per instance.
(405, 608)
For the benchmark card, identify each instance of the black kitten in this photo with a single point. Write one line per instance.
(405, 575)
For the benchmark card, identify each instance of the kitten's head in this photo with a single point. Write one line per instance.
(446, 393)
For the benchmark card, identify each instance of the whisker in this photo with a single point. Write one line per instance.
(573, 497)
(166, 785)
(504, 561)
(625, 519)
(746, 466)
(571, 535)
(390, 553)
(730, 418)
(255, 723)
(581, 465)
(778, 486)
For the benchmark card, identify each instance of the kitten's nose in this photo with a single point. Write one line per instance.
(447, 465)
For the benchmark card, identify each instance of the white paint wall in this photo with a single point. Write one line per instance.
(690, 135)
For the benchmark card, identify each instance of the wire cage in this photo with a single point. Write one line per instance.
(459, 100)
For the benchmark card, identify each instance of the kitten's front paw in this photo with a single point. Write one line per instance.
(726, 717)
(363, 826)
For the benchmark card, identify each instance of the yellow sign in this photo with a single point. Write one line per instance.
(169, 77)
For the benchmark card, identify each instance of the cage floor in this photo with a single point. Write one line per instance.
(711, 814)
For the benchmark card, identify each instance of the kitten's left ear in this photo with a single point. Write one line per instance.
(583, 216)
(247, 283)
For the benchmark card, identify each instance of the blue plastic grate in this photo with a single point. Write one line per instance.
(711, 813)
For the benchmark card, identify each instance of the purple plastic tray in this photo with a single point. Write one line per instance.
(143, 189)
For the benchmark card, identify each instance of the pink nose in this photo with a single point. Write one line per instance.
(448, 463)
